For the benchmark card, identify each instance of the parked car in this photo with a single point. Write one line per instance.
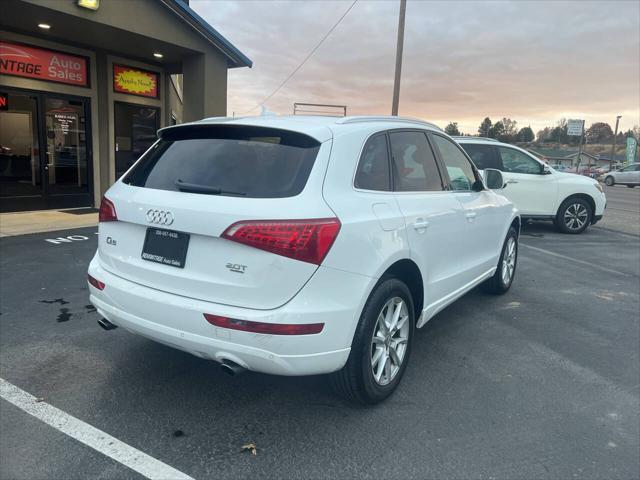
(584, 170)
(300, 245)
(592, 171)
(629, 176)
(607, 168)
(572, 202)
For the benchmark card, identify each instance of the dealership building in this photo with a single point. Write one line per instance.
(85, 84)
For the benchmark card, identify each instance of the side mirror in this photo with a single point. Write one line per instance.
(545, 169)
(493, 179)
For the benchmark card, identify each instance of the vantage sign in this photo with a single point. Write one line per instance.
(42, 64)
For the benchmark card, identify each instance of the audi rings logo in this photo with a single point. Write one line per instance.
(159, 217)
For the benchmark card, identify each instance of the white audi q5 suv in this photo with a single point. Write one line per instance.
(300, 245)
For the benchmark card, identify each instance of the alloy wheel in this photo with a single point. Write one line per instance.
(389, 341)
(576, 216)
(509, 261)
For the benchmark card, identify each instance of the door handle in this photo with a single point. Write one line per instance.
(420, 224)
(471, 216)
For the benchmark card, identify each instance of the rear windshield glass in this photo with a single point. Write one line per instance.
(228, 160)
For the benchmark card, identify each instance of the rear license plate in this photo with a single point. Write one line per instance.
(166, 247)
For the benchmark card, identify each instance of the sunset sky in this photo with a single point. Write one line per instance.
(532, 61)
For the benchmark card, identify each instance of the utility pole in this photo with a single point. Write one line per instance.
(399, 48)
(580, 149)
(615, 140)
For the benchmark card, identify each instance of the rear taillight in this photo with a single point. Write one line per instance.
(107, 211)
(305, 240)
(268, 328)
(95, 282)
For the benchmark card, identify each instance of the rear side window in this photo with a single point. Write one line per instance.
(483, 156)
(228, 160)
(459, 168)
(415, 168)
(373, 169)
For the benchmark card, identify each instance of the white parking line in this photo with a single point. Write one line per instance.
(575, 260)
(90, 436)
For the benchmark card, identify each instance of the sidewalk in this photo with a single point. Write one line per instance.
(21, 223)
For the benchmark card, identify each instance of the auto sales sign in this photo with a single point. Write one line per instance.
(50, 65)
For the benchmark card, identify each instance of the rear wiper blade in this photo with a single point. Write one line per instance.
(197, 188)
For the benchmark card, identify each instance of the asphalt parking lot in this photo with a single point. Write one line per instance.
(543, 382)
(622, 214)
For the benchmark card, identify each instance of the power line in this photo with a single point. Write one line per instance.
(313, 50)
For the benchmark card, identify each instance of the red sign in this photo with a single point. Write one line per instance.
(32, 62)
(135, 81)
(4, 101)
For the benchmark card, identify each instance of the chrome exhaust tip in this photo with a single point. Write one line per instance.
(231, 368)
(106, 324)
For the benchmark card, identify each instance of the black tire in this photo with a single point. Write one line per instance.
(497, 284)
(630, 186)
(574, 216)
(355, 381)
(609, 181)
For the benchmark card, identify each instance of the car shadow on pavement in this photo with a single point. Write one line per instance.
(539, 228)
(168, 377)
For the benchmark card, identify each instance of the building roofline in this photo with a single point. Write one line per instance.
(575, 154)
(536, 153)
(184, 11)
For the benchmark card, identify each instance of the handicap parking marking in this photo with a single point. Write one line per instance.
(68, 239)
(100, 441)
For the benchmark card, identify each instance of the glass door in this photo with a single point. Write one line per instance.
(67, 165)
(20, 169)
(45, 151)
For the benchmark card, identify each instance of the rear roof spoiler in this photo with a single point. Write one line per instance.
(202, 130)
(319, 133)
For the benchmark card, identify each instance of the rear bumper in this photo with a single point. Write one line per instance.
(332, 297)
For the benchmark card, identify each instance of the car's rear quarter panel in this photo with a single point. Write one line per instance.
(372, 234)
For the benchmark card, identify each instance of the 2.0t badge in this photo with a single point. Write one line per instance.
(236, 267)
(159, 217)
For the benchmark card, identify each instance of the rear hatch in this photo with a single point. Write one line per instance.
(178, 200)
